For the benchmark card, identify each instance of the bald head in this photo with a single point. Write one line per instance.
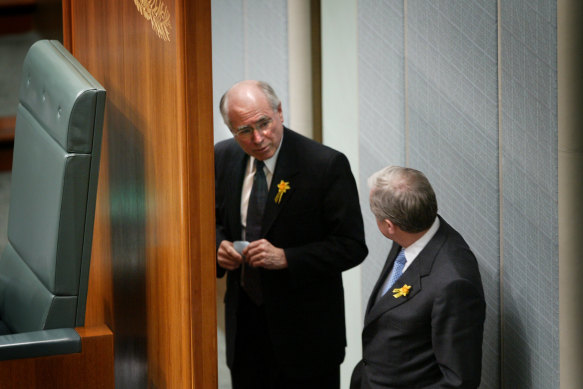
(404, 196)
(253, 113)
(247, 92)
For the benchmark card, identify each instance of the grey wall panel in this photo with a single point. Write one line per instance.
(437, 60)
(530, 311)
(453, 132)
(381, 113)
(249, 42)
(266, 46)
(228, 54)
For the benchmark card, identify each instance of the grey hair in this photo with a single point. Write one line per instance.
(404, 196)
(267, 90)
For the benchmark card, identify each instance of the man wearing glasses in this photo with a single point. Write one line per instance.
(288, 224)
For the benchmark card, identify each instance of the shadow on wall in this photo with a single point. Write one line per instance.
(516, 347)
(490, 344)
(128, 223)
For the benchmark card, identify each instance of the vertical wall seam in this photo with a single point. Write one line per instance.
(244, 17)
(569, 191)
(406, 82)
(500, 200)
(299, 62)
(316, 44)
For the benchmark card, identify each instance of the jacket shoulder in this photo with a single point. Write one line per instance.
(226, 146)
(311, 149)
(455, 257)
(226, 150)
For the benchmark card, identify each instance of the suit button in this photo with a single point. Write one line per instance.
(364, 362)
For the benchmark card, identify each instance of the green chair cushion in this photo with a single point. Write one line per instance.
(44, 269)
(47, 206)
(51, 87)
(25, 303)
(40, 344)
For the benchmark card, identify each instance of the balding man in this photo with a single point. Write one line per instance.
(424, 322)
(296, 202)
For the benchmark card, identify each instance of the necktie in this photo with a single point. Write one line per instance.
(251, 281)
(397, 271)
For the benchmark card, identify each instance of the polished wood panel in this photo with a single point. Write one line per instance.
(196, 76)
(16, 16)
(90, 369)
(153, 269)
(7, 125)
(4, 4)
(48, 20)
(6, 155)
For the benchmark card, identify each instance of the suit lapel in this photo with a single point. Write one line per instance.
(384, 274)
(285, 169)
(237, 174)
(413, 276)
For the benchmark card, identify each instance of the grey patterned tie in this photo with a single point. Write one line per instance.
(251, 280)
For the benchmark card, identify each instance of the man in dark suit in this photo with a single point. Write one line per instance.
(425, 329)
(299, 208)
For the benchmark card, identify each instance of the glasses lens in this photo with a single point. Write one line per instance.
(261, 126)
(245, 133)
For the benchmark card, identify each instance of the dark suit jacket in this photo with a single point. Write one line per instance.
(319, 225)
(431, 338)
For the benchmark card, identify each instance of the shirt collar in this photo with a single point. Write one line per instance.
(270, 163)
(413, 250)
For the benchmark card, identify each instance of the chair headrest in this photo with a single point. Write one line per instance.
(64, 104)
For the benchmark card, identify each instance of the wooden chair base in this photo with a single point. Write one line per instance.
(93, 368)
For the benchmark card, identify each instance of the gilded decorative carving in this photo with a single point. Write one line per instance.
(156, 11)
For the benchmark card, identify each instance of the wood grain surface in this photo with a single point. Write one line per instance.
(152, 274)
(90, 369)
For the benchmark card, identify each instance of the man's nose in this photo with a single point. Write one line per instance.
(257, 136)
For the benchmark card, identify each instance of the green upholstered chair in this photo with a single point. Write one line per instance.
(44, 269)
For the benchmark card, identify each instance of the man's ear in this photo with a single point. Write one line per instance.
(389, 225)
(280, 112)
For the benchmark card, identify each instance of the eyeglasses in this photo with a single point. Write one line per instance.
(246, 132)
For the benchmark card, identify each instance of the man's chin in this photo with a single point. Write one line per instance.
(263, 154)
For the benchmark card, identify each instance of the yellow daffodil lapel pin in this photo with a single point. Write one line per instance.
(283, 187)
(403, 291)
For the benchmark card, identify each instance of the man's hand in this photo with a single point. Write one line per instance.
(261, 253)
(227, 257)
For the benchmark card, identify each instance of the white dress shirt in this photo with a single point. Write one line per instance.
(268, 169)
(414, 249)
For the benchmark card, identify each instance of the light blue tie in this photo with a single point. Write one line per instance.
(397, 271)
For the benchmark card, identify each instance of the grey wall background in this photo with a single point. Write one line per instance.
(249, 42)
(529, 140)
(466, 91)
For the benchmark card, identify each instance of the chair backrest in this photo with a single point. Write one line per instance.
(44, 269)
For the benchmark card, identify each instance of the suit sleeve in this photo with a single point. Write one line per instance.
(343, 246)
(219, 201)
(457, 331)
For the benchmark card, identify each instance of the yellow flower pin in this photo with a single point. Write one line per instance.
(404, 291)
(283, 187)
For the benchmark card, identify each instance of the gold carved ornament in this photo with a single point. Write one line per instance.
(156, 11)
